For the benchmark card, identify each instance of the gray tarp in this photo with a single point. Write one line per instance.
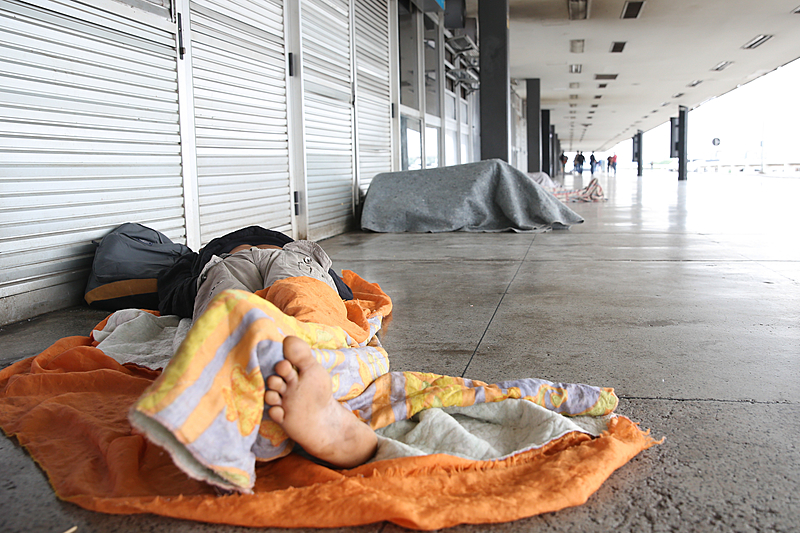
(485, 196)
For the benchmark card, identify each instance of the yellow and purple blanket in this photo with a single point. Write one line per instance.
(488, 453)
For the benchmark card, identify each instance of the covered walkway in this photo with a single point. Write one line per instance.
(683, 296)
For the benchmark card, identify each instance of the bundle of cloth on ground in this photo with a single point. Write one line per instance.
(487, 196)
(194, 441)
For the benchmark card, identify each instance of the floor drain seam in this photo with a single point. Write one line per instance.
(497, 307)
(708, 400)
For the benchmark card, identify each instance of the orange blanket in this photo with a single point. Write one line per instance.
(69, 407)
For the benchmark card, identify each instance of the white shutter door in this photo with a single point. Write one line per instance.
(328, 115)
(89, 139)
(239, 76)
(373, 96)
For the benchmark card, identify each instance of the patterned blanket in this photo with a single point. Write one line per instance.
(535, 445)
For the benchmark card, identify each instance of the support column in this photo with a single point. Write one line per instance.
(495, 91)
(552, 158)
(546, 140)
(637, 152)
(683, 137)
(533, 104)
(557, 160)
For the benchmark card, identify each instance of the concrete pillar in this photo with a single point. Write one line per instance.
(495, 90)
(683, 137)
(552, 158)
(546, 149)
(556, 155)
(637, 152)
(533, 105)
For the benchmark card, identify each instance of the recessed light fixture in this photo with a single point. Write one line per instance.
(572, 112)
(617, 47)
(575, 69)
(695, 83)
(722, 65)
(605, 76)
(796, 11)
(578, 9)
(602, 85)
(664, 104)
(574, 85)
(576, 46)
(632, 10)
(573, 105)
(677, 95)
(597, 97)
(594, 105)
(756, 41)
(573, 97)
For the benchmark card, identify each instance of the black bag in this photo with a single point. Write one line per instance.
(126, 264)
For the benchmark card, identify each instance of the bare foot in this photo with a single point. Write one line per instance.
(302, 404)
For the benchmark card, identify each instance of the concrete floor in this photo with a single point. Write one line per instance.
(685, 297)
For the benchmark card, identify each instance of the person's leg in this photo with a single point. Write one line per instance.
(238, 271)
(300, 401)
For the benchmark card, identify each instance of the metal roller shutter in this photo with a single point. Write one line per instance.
(373, 96)
(89, 139)
(328, 115)
(239, 76)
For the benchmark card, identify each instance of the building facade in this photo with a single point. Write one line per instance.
(199, 117)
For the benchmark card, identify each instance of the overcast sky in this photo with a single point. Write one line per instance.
(766, 109)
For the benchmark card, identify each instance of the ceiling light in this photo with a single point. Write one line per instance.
(574, 85)
(617, 47)
(573, 97)
(594, 105)
(722, 65)
(605, 76)
(677, 95)
(578, 9)
(573, 105)
(695, 83)
(575, 69)
(576, 46)
(664, 104)
(632, 10)
(602, 85)
(597, 97)
(796, 11)
(756, 41)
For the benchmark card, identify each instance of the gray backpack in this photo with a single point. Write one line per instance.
(126, 265)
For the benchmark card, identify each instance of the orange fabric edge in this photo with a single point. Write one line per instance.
(125, 287)
(424, 493)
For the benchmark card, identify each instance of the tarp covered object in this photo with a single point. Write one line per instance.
(485, 196)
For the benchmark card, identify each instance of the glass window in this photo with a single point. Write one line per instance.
(451, 148)
(407, 36)
(450, 105)
(464, 112)
(411, 143)
(432, 68)
(432, 146)
(465, 158)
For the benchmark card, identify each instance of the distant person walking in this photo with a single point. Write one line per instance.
(592, 163)
(578, 163)
(612, 164)
(563, 158)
